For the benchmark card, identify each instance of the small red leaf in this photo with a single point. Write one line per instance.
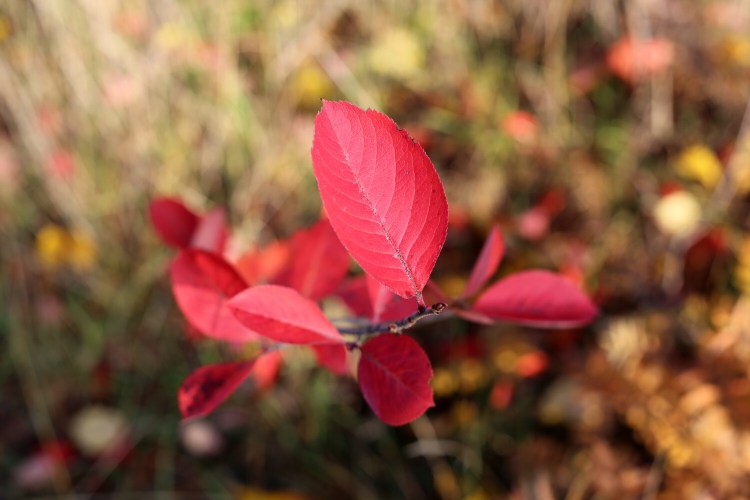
(264, 265)
(173, 222)
(487, 262)
(394, 376)
(532, 364)
(382, 195)
(356, 296)
(202, 283)
(537, 298)
(266, 369)
(333, 357)
(521, 126)
(387, 306)
(634, 59)
(208, 386)
(473, 316)
(282, 314)
(501, 395)
(319, 262)
(211, 233)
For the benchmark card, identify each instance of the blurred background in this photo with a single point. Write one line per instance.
(609, 140)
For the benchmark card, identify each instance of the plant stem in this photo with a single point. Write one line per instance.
(396, 326)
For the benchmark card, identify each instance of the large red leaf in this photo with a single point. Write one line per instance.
(282, 314)
(394, 376)
(537, 298)
(173, 222)
(318, 264)
(382, 195)
(208, 386)
(202, 283)
(487, 262)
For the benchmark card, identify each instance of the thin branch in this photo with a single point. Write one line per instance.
(396, 326)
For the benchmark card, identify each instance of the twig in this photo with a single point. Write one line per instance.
(396, 326)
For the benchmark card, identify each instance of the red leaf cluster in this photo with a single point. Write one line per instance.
(386, 208)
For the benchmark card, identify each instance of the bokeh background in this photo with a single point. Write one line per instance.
(609, 140)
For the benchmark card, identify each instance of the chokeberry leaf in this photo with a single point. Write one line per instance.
(382, 195)
(208, 386)
(537, 298)
(282, 314)
(487, 262)
(318, 263)
(173, 222)
(211, 232)
(202, 283)
(394, 376)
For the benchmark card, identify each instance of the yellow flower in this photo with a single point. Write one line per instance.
(309, 84)
(397, 53)
(50, 245)
(5, 27)
(82, 250)
(699, 163)
(57, 247)
(742, 272)
(736, 49)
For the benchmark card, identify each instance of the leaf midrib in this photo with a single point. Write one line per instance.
(376, 215)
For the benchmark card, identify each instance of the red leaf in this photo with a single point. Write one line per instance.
(369, 299)
(356, 296)
(61, 164)
(264, 265)
(634, 59)
(202, 284)
(208, 386)
(537, 298)
(173, 222)
(394, 376)
(382, 195)
(333, 357)
(319, 262)
(521, 126)
(501, 395)
(387, 306)
(533, 224)
(487, 262)
(266, 369)
(211, 232)
(532, 364)
(282, 314)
